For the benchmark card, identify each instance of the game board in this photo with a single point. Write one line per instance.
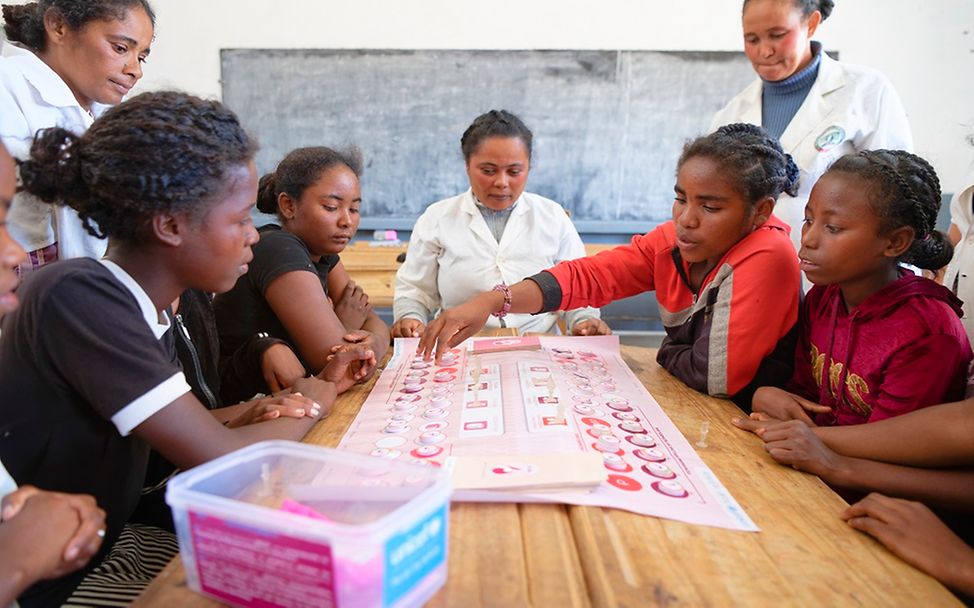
(570, 394)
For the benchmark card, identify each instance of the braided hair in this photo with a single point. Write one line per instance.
(807, 7)
(162, 152)
(24, 23)
(749, 158)
(905, 191)
(496, 123)
(300, 169)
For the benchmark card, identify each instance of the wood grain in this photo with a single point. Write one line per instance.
(557, 555)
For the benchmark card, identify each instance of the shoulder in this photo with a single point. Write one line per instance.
(445, 206)
(70, 276)
(76, 290)
(278, 242)
(541, 206)
(859, 77)
(745, 98)
(770, 241)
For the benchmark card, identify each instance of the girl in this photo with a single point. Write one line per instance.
(492, 233)
(875, 340)
(724, 273)
(42, 534)
(70, 59)
(817, 107)
(86, 365)
(297, 290)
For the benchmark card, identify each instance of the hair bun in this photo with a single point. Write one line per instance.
(267, 194)
(792, 176)
(825, 7)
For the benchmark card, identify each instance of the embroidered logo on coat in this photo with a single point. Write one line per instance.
(830, 138)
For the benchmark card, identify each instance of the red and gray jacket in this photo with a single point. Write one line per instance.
(733, 334)
(901, 349)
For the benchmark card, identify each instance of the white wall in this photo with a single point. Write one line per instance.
(925, 47)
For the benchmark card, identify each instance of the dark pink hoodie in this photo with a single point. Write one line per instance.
(903, 348)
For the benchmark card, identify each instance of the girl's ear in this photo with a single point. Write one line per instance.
(762, 211)
(899, 242)
(55, 25)
(286, 206)
(167, 229)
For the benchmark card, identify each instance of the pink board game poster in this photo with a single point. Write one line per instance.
(563, 395)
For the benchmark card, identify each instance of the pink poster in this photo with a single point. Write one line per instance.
(573, 394)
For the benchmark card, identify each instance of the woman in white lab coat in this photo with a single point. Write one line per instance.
(820, 109)
(488, 237)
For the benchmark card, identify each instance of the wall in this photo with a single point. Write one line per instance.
(926, 48)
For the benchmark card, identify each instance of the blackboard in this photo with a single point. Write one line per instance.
(608, 125)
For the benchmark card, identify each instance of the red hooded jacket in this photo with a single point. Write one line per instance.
(903, 348)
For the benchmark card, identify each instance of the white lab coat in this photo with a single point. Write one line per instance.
(33, 97)
(453, 256)
(960, 271)
(849, 108)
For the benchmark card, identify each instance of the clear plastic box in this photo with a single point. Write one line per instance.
(281, 523)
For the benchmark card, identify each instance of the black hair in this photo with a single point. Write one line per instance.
(905, 192)
(807, 7)
(748, 157)
(496, 123)
(162, 152)
(300, 169)
(24, 23)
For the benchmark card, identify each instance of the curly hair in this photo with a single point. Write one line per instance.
(749, 158)
(24, 23)
(904, 190)
(496, 123)
(300, 169)
(162, 152)
(807, 7)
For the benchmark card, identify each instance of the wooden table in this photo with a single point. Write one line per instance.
(556, 555)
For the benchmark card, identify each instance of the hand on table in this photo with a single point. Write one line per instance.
(352, 306)
(454, 325)
(49, 534)
(591, 327)
(793, 443)
(280, 367)
(782, 405)
(289, 405)
(911, 531)
(348, 364)
(408, 327)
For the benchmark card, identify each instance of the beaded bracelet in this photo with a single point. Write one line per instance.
(506, 308)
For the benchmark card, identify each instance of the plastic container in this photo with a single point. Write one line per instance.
(281, 523)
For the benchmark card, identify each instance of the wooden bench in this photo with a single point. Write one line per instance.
(374, 268)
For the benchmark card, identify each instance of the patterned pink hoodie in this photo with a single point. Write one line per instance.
(903, 348)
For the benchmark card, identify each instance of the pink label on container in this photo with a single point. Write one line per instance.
(251, 567)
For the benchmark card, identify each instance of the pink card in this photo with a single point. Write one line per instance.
(498, 345)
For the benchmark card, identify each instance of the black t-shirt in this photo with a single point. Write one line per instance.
(80, 367)
(242, 313)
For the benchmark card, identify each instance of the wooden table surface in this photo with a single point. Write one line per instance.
(557, 555)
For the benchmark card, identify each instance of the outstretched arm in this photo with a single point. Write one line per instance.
(795, 444)
(454, 325)
(936, 436)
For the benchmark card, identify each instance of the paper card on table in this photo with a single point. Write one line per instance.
(497, 345)
(527, 471)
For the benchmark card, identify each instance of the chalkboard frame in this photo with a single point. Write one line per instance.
(608, 124)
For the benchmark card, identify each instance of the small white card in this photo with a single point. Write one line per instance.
(524, 472)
